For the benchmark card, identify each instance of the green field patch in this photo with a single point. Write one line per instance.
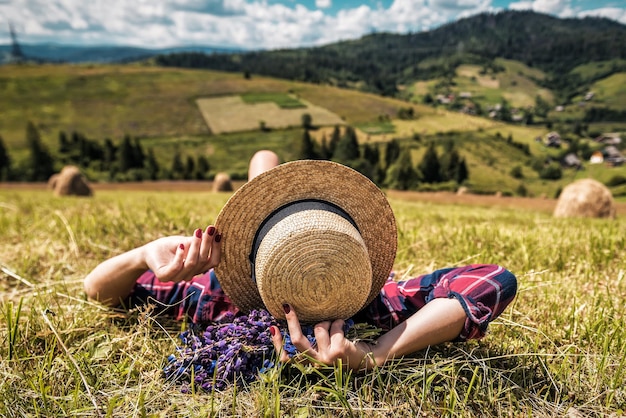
(284, 101)
(377, 128)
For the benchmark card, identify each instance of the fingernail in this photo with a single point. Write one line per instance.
(198, 233)
(272, 331)
(286, 308)
(218, 237)
(182, 246)
(210, 230)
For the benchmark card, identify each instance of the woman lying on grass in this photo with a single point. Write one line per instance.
(311, 242)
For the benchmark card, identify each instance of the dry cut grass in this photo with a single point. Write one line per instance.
(558, 350)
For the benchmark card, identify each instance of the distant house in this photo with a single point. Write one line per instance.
(589, 96)
(559, 108)
(609, 139)
(612, 156)
(571, 160)
(553, 139)
(465, 95)
(596, 158)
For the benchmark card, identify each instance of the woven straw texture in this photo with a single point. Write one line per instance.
(290, 182)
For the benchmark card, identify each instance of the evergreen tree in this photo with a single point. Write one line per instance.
(64, 145)
(347, 148)
(371, 154)
(5, 162)
(126, 155)
(40, 165)
(138, 155)
(108, 157)
(392, 152)
(324, 153)
(450, 164)
(190, 168)
(401, 175)
(429, 166)
(334, 140)
(178, 168)
(203, 167)
(462, 173)
(307, 151)
(152, 166)
(307, 121)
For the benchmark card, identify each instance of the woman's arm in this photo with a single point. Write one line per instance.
(439, 321)
(173, 258)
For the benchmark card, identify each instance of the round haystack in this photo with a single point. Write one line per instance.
(222, 183)
(52, 181)
(462, 190)
(498, 194)
(71, 182)
(586, 198)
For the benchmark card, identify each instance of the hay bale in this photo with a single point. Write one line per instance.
(462, 190)
(71, 182)
(222, 183)
(52, 181)
(585, 198)
(498, 194)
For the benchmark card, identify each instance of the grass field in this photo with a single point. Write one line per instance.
(556, 351)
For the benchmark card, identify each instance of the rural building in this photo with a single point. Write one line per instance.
(571, 160)
(553, 139)
(609, 139)
(612, 156)
(596, 158)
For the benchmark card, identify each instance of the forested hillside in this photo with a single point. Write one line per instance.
(381, 62)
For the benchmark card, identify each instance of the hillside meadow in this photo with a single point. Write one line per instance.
(556, 351)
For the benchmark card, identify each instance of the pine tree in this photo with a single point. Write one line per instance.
(190, 168)
(178, 168)
(138, 155)
(462, 172)
(347, 148)
(126, 155)
(334, 140)
(307, 150)
(152, 166)
(429, 166)
(401, 175)
(392, 152)
(108, 157)
(64, 145)
(41, 164)
(203, 167)
(5, 162)
(450, 164)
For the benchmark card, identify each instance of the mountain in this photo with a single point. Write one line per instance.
(56, 53)
(380, 62)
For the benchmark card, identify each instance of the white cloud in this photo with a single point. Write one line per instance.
(560, 8)
(323, 4)
(242, 23)
(609, 12)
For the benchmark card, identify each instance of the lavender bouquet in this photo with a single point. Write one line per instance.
(232, 351)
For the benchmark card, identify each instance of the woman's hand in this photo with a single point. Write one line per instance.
(331, 344)
(178, 258)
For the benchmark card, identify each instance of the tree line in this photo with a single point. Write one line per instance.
(388, 164)
(123, 161)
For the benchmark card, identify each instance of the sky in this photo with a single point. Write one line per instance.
(254, 24)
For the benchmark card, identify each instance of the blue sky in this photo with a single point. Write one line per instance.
(253, 24)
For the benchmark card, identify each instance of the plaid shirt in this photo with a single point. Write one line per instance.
(484, 290)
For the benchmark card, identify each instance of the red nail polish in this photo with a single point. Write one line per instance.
(198, 233)
(272, 331)
(182, 246)
(210, 230)
(286, 308)
(218, 237)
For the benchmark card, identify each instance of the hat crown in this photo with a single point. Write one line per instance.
(316, 261)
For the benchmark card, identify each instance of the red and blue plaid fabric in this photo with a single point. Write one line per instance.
(484, 290)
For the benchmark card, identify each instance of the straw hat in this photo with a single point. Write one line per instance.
(315, 234)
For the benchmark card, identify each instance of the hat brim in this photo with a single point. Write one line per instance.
(251, 204)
